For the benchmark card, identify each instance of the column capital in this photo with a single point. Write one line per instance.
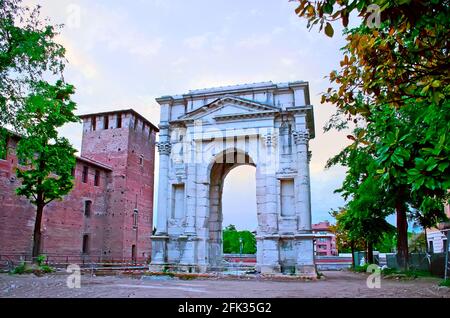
(164, 148)
(301, 137)
(270, 139)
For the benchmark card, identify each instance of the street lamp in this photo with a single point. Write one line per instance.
(240, 247)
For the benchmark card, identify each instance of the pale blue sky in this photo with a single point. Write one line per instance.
(123, 54)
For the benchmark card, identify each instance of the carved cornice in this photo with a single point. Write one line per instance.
(164, 148)
(301, 137)
(268, 113)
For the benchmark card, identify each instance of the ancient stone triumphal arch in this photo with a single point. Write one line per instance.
(204, 135)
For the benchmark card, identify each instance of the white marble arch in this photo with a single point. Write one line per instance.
(205, 134)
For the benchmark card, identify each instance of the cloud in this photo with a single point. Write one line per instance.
(125, 54)
(147, 49)
(79, 60)
(278, 30)
(287, 61)
(196, 42)
(255, 41)
(256, 12)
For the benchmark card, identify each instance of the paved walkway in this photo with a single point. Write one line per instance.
(335, 284)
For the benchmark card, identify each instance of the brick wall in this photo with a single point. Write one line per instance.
(123, 159)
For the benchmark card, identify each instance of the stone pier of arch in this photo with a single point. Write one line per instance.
(206, 133)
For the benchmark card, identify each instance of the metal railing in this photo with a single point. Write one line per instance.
(9, 261)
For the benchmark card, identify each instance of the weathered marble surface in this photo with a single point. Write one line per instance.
(205, 134)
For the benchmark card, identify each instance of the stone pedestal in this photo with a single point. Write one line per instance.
(159, 252)
(305, 263)
(268, 261)
(188, 253)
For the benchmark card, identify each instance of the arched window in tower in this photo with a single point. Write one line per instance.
(135, 218)
(85, 246)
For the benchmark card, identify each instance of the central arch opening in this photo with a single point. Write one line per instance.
(238, 169)
(239, 215)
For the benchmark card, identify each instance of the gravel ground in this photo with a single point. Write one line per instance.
(334, 284)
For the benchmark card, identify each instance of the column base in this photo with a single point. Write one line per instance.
(178, 268)
(268, 269)
(159, 249)
(306, 270)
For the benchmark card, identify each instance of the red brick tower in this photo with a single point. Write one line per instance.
(125, 141)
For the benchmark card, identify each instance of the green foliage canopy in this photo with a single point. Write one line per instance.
(49, 158)
(231, 244)
(394, 84)
(28, 52)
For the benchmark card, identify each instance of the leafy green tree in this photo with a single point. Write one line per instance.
(394, 82)
(231, 241)
(4, 134)
(417, 242)
(368, 203)
(28, 52)
(345, 240)
(49, 159)
(32, 106)
(387, 243)
(366, 215)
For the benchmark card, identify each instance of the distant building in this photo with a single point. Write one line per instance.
(437, 242)
(325, 241)
(109, 213)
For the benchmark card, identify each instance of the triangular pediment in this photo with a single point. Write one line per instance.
(228, 106)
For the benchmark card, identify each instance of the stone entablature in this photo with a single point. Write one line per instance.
(205, 134)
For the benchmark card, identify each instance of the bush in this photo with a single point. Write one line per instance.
(19, 269)
(445, 283)
(38, 269)
(46, 269)
(22, 269)
(411, 273)
(41, 259)
(388, 271)
(361, 269)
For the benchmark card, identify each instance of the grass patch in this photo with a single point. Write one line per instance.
(360, 269)
(411, 273)
(170, 274)
(38, 269)
(445, 283)
(23, 268)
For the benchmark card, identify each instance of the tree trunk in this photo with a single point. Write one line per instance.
(426, 249)
(402, 236)
(37, 230)
(426, 240)
(370, 253)
(352, 246)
